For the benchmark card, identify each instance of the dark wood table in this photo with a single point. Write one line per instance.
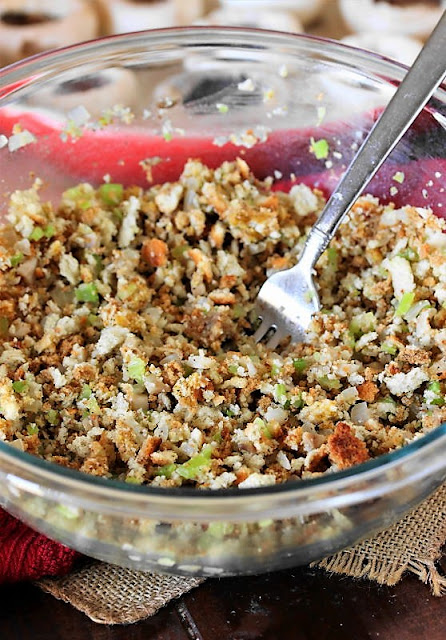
(298, 604)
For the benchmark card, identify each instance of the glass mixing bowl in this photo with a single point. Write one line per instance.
(163, 96)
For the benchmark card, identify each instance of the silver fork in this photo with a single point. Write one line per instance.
(288, 299)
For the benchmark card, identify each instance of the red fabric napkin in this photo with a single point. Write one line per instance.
(27, 555)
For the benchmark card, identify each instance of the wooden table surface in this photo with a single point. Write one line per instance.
(298, 604)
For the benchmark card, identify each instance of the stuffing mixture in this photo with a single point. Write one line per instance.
(126, 322)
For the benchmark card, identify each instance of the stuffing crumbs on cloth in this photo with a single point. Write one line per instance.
(126, 332)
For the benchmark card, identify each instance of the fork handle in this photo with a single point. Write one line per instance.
(420, 82)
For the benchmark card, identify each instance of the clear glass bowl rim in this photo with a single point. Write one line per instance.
(14, 79)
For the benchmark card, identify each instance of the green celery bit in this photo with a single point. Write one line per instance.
(280, 394)
(348, 339)
(192, 467)
(36, 234)
(332, 257)
(92, 405)
(52, 417)
(111, 193)
(233, 368)
(133, 480)
(17, 259)
(93, 320)
(20, 386)
(362, 323)
(329, 383)
(49, 231)
(228, 413)
(86, 392)
(320, 148)
(166, 470)
(99, 262)
(300, 365)
(4, 326)
(80, 197)
(389, 347)
(178, 252)
(409, 254)
(275, 369)
(87, 292)
(435, 387)
(32, 429)
(71, 513)
(238, 311)
(127, 290)
(188, 370)
(399, 177)
(405, 303)
(137, 369)
(297, 401)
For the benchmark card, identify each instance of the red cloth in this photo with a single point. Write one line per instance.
(27, 555)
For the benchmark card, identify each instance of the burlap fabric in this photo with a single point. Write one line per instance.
(112, 595)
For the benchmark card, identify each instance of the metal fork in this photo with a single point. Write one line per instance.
(288, 299)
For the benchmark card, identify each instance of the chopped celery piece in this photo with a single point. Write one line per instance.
(71, 513)
(297, 401)
(435, 388)
(52, 417)
(362, 323)
(348, 339)
(300, 364)
(280, 394)
(259, 422)
(228, 413)
(192, 467)
(111, 193)
(233, 368)
(409, 254)
(126, 290)
(99, 262)
(17, 259)
(93, 320)
(275, 369)
(320, 148)
(329, 383)
(332, 257)
(86, 392)
(81, 196)
(20, 386)
(36, 234)
(32, 429)
(398, 177)
(92, 405)
(188, 370)
(137, 369)
(49, 231)
(133, 480)
(178, 252)
(166, 470)
(87, 292)
(405, 303)
(389, 347)
(238, 311)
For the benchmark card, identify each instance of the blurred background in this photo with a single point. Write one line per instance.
(393, 28)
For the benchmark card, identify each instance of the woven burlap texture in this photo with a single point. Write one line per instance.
(112, 595)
